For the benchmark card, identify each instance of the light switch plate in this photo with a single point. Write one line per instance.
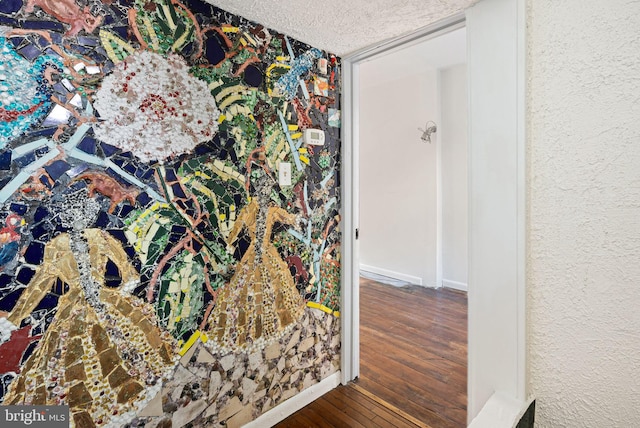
(284, 174)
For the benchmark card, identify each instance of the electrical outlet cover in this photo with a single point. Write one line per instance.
(284, 174)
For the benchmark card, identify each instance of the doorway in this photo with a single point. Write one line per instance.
(413, 163)
(413, 228)
(497, 201)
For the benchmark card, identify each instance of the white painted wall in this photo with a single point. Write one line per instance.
(453, 139)
(584, 212)
(497, 190)
(398, 173)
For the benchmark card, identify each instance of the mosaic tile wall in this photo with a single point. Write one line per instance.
(153, 271)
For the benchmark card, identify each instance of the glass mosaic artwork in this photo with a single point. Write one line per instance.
(146, 240)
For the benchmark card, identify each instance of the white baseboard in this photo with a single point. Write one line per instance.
(455, 285)
(500, 411)
(295, 403)
(391, 274)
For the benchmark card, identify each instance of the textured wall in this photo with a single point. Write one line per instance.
(584, 219)
(153, 269)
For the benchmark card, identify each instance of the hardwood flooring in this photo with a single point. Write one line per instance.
(349, 406)
(413, 363)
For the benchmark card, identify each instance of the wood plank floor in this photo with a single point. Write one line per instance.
(349, 406)
(413, 365)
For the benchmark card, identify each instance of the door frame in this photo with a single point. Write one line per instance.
(497, 325)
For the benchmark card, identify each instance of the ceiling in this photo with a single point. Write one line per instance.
(441, 52)
(344, 26)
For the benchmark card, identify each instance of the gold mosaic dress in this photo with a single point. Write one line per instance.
(102, 358)
(261, 300)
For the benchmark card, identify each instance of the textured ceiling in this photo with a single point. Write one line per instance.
(344, 26)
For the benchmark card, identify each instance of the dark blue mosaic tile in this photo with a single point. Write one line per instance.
(130, 168)
(44, 132)
(10, 22)
(109, 150)
(83, 50)
(42, 25)
(25, 160)
(109, 20)
(30, 52)
(148, 174)
(202, 149)
(199, 7)
(59, 228)
(170, 175)
(5, 280)
(97, 57)
(112, 275)
(57, 168)
(39, 231)
(118, 234)
(125, 210)
(34, 253)
(43, 42)
(56, 38)
(60, 288)
(133, 256)
(18, 208)
(214, 50)
(9, 300)
(178, 230)
(103, 221)
(10, 6)
(52, 53)
(40, 214)
(123, 32)
(119, 161)
(242, 246)
(32, 347)
(107, 67)
(60, 90)
(253, 76)
(49, 301)
(88, 145)
(25, 274)
(17, 42)
(45, 181)
(177, 191)
(5, 160)
(144, 199)
(188, 49)
(140, 173)
(88, 41)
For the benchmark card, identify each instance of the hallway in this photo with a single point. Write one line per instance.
(413, 365)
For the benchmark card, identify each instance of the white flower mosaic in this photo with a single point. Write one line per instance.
(151, 105)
